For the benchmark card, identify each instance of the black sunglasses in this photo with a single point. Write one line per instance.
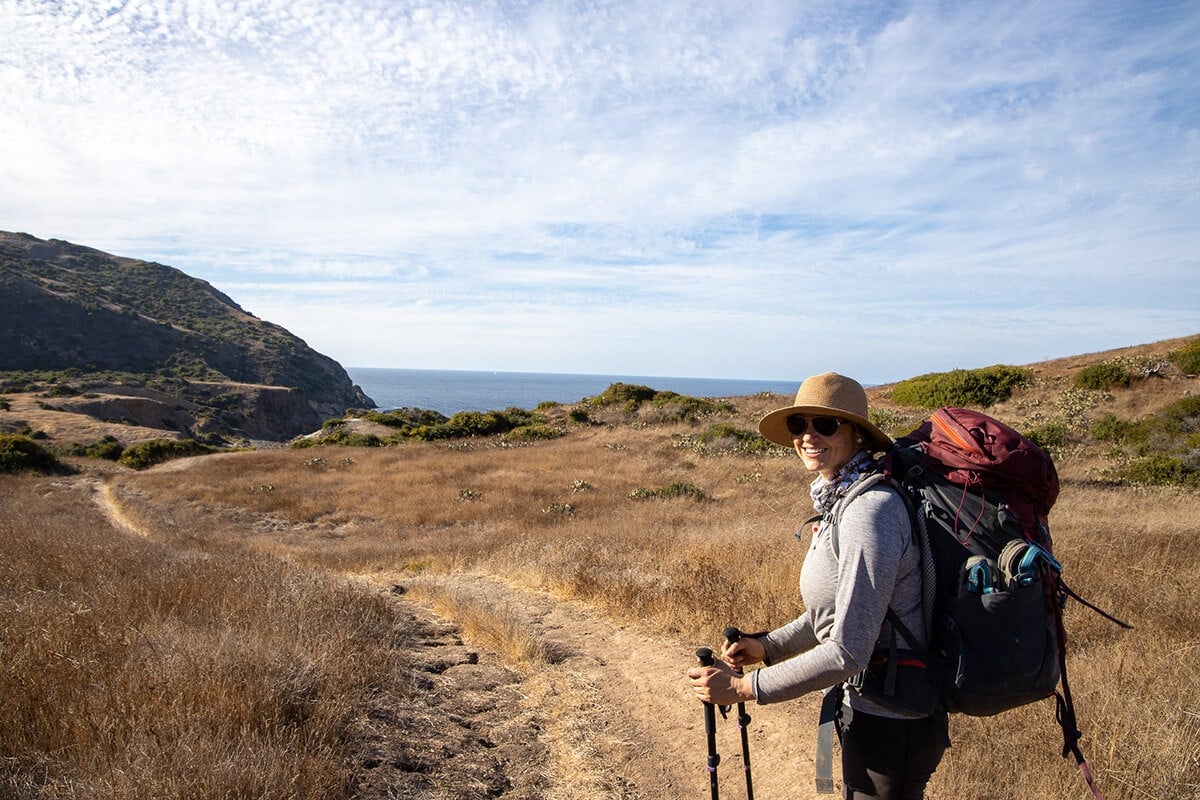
(797, 424)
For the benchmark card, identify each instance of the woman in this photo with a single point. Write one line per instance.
(861, 562)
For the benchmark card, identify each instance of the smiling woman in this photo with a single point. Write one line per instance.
(863, 562)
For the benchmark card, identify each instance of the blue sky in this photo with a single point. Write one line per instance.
(728, 190)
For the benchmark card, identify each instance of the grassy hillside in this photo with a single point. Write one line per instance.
(215, 604)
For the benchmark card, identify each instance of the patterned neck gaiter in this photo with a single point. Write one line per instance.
(825, 493)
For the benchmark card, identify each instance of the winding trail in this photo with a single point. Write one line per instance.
(604, 714)
(627, 690)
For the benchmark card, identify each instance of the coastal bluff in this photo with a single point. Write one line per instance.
(120, 341)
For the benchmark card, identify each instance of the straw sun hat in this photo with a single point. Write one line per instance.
(826, 394)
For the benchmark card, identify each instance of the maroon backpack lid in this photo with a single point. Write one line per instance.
(973, 449)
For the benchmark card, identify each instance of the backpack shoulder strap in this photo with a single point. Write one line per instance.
(920, 538)
(834, 515)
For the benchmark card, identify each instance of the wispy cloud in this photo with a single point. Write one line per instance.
(759, 189)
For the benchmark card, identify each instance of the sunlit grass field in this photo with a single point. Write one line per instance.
(217, 632)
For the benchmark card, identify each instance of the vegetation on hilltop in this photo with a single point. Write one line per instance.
(968, 388)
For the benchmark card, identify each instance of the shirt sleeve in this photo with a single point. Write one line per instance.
(872, 533)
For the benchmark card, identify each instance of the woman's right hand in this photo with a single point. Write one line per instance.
(746, 650)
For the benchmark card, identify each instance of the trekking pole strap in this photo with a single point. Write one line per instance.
(831, 705)
(1069, 592)
(1064, 712)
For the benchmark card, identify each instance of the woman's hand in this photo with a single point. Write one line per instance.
(720, 685)
(746, 650)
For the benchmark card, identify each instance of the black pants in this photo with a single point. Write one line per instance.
(891, 759)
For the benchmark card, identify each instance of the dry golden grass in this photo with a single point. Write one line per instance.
(557, 516)
(132, 668)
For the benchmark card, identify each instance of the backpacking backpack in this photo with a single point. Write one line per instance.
(979, 494)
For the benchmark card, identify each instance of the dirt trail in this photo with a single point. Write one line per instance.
(619, 698)
(607, 715)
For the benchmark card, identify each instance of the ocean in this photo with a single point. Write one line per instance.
(451, 391)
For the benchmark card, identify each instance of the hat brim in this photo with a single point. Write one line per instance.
(773, 426)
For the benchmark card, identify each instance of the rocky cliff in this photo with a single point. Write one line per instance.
(107, 326)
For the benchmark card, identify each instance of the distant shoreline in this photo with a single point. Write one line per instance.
(451, 391)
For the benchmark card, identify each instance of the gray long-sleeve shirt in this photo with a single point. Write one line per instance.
(846, 593)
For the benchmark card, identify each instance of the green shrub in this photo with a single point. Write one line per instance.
(22, 454)
(107, 448)
(1182, 416)
(1160, 469)
(976, 388)
(579, 415)
(1050, 435)
(1102, 377)
(534, 432)
(478, 423)
(406, 418)
(339, 437)
(1164, 446)
(672, 491)
(723, 436)
(156, 451)
(626, 395)
(466, 424)
(691, 406)
(61, 390)
(669, 406)
(1187, 358)
(1114, 430)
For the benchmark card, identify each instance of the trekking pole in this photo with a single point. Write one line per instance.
(710, 726)
(732, 635)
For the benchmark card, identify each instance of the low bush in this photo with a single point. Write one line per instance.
(406, 418)
(1050, 436)
(534, 432)
(156, 451)
(669, 406)
(670, 492)
(975, 388)
(626, 395)
(466, 424)
(108, 449)
(1159, 469)
(22, 454)
(1187, 358)
(1182, 416)
(723, 437)
(691, 407)
(339, 437)
(1164, 447)
(1114, 430)
(61, 390)
(1102, 377)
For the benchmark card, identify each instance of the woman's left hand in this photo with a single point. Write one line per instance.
(719, 685)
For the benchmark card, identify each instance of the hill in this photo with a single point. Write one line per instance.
(124, 340)
(499, 616)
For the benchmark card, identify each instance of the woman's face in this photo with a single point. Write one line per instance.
(824, 451)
